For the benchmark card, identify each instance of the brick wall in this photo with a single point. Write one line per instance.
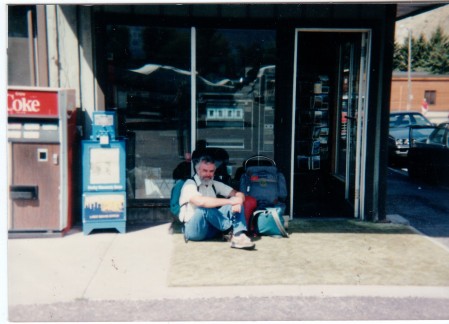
(399, 91)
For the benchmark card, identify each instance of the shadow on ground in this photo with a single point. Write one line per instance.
(333, 225)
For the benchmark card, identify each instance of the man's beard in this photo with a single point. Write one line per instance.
(206, 182)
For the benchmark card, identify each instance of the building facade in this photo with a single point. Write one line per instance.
(305, 84)
(429, 94)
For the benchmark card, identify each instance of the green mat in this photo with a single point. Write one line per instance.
(324, 252)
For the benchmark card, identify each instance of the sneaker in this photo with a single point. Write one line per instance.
(242, 242)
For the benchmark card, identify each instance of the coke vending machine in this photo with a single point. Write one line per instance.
(42, 135)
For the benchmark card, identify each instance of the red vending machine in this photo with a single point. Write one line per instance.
(42, 136)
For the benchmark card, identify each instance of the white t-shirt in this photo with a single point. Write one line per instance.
(190, 189)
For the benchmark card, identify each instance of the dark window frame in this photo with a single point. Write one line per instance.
(430, 96)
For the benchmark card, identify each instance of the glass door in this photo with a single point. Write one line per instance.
(350, 124)
(329, 104)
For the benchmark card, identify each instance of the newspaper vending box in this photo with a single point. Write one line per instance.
(104, 176)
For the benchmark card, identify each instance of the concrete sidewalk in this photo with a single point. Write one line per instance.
(107, 266)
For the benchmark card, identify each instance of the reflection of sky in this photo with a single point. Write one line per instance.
(237, 37)
(135, 42)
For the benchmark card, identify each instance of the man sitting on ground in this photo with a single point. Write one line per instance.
(204, 215)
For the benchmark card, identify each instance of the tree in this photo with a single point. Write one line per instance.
(438, 62)
(428, 56)
(399, 58)
(420, 53)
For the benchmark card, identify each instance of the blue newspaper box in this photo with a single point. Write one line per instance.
(104, 176)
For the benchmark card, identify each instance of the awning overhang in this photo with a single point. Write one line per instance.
(413, 8)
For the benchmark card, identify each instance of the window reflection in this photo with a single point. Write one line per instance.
(149, 74)
(235, 91)
(149, 70)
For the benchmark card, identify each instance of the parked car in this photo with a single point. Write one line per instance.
(398, 140)
(428, 158)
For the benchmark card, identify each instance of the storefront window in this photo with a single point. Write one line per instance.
(150, 88)
(235, 92)
(149, 70)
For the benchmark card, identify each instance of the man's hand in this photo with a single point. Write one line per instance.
(236, 208)
(235, 193)
(236, 200)
(237, 203)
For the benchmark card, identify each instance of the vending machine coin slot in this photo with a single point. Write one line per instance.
(24, 192)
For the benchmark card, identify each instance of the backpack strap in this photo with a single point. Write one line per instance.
(198, 187)
(278, 222)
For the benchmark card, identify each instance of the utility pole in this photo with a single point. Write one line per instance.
(409, 71)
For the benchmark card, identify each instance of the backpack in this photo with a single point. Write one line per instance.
(263, 182)
(269, 221)
(175, 208)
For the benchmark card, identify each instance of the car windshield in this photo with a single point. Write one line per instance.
(421, 120)
(420, 134)
(406, 120)
(437, 137)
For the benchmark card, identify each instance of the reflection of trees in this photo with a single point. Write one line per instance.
(167, 46)
(158, 80)
(221, 54)
(234, 54)
(213, 57)
(255, 56)
(118, 44)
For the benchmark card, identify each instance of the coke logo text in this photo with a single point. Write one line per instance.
(22, 104)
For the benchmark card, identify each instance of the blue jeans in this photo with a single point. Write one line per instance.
(207, 223)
